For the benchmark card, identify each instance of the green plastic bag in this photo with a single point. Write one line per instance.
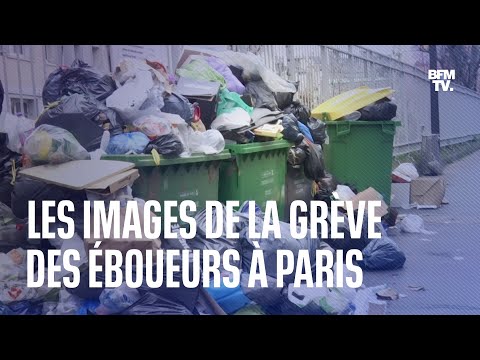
(201, 70)
(231, 100)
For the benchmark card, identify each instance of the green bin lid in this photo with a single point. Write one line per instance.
(257, 147)
(142, 160)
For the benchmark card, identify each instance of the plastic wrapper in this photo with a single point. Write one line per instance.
(17, 129)
(17, 290)
(382, 254)
(154, 99)
(236, 119)
(254, 69)
(79, 78)
(262, 97)
(414, 224)
(334, 300)
(152, 126)
(208, 142)
(229, 101)
(407, 169)
(113, 301)
(200, 69)
(167, 145)
(233, 84)
(129, 98)
(13, 265)
(68, 304)
(152, 304)
(128, 143)
(52, 145)
(128, 68)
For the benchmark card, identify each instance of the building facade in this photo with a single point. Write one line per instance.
(24, 68)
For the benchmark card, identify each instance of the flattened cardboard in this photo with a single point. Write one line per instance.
(427, 190)
(77, 174)
(371, 194)
(114, 183)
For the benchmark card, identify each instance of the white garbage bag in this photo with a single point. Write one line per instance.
(414, 224)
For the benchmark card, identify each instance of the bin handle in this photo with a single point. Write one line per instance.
(388, 129)
(345, 130)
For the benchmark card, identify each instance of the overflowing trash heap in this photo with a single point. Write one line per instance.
(212, 100)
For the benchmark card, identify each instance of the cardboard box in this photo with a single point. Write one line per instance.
(427, 190)
(400, 195)
(371, 194)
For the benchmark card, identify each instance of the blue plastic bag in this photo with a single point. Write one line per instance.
(134, 142)
(305, 131)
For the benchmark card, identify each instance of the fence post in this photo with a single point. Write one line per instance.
(325, 89)
(290, 62)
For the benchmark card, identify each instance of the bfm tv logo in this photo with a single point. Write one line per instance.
(441, 78)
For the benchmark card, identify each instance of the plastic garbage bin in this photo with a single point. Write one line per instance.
(190, 178)
(256, 172)
(360, 153)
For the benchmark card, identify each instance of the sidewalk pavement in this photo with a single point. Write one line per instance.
(446, 264)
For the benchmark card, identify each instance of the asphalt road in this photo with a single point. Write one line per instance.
(447, 263)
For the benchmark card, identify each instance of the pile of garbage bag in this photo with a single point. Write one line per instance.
(141, 109)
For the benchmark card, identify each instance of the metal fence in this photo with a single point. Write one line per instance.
(328, 70)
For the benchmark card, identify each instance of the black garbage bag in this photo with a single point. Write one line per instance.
(151, 304)
(381, 110)
(80, 78)
(291, 132)
(299, 111)
(82, 116)
(296, 156)
(318, 130)
(178, 104)
(167, 145)
(262, 97)
(314, 165)
(382, 254)
(271, 245)
(26, 189)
